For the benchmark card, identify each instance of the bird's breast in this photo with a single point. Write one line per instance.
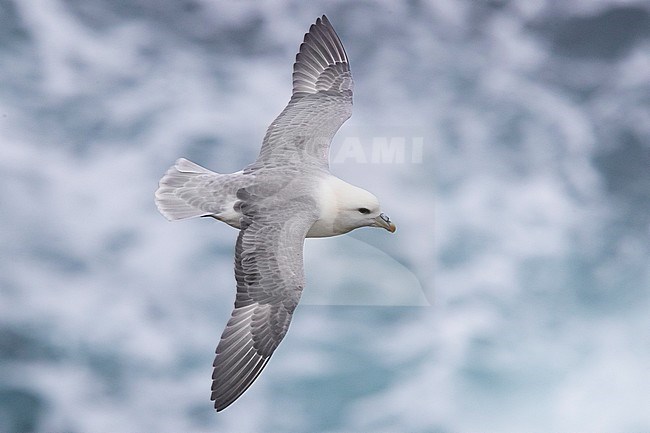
(328, 207)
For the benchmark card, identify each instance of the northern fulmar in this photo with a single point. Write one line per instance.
(286, 195)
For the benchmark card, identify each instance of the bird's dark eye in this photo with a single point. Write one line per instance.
(363, 210)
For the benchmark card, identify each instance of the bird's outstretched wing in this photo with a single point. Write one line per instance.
(321, 102)
(269, 274)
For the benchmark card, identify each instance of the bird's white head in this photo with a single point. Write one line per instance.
(345, 207)
(356, 208)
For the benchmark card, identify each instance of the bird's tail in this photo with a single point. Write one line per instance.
(181, 191)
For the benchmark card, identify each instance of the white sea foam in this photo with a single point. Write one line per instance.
(523, 226)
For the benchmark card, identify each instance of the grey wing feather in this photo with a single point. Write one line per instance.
(321, 102)
(269, 275)
(322, 63)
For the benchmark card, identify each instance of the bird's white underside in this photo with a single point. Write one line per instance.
(333, 196)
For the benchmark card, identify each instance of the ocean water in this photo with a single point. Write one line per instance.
(514, 296)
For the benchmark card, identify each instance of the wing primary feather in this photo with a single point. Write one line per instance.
(234, 364)
(316, 46)
(331, 49)
(225, 361)
(251, 373)
(222, 402)
(333, 37)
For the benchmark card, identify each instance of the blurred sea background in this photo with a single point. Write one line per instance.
(514, 296)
